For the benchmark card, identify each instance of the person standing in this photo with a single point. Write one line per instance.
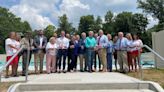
(63, 44)
(27, 42)
(96, 55)
(10, 47)
(101, 46)
(90, 44)
(40, 42)
(51, 56)
(129, 51)
(137, 43)
(76, 50)
(109, 53)
(17, 44)
(121, 46)
(68, 54)
(82, 53)
(71, 52)
(115, 51)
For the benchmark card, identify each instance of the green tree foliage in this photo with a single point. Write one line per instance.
(155, 8)
(128, 22)
(86, 23)
(98, 24)
(108, 26)
(49, 31)
(9, 22)
(64, 25)
(109, 17)
(139, 23)
(123, 22)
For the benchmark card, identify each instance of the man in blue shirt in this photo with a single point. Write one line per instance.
(121, 47)
(109, 53)
(101, 46)
(82, 52)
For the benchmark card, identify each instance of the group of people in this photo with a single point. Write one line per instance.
(95, 52)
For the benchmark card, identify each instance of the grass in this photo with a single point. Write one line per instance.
(156, 75)
(5, 85)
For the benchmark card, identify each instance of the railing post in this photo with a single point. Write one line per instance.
(0, 77)
(140, 65)
(28, 59)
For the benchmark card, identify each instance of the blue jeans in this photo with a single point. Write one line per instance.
(109, 61)
(90, 58)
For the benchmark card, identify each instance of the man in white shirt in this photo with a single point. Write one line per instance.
(63, 44)
(40, 42)
(10, 47)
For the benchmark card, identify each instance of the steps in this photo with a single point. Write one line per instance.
(85, 82)
(114, 90)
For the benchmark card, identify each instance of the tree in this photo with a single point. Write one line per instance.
(86, 23)
(108, 26)
(123, 22)
(98, 24)
(109, 17)
(9, 22)
(49, 31)
(64, 25)
(155, 8)
(139, 23)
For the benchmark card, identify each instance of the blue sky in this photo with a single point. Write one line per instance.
(40, 13)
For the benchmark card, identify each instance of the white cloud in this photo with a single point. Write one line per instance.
(33, 12)
(152, 21)
(40, 13)
(74, 9)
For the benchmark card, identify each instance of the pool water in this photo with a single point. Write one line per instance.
(145, 62)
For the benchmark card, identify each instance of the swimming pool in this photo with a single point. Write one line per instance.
(147, 60)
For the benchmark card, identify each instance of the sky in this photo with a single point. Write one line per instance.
(40, 13)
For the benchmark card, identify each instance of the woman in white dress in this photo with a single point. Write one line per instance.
(137, 43)
(51, 55)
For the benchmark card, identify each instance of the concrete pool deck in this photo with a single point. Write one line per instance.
(83, 81)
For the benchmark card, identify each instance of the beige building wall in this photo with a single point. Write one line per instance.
(158, 46)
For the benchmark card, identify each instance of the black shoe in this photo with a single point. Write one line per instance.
(7, 76)
(23, 75)
(15, 75)
(64, 71)
(81, 70)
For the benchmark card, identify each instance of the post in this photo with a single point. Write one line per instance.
(140, 65)
(0, 77)
(154, 47)
(28, 58)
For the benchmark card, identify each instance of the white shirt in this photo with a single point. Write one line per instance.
(41, 41)
(51, 52)
(63, 42)
(130, 45)
(9, 50)
(102, 41)
(17, 45)
(137, 43)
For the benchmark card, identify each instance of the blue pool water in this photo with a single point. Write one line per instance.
(145, 63)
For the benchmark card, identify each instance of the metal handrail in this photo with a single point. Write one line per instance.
(154, 52)
(10, 60)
